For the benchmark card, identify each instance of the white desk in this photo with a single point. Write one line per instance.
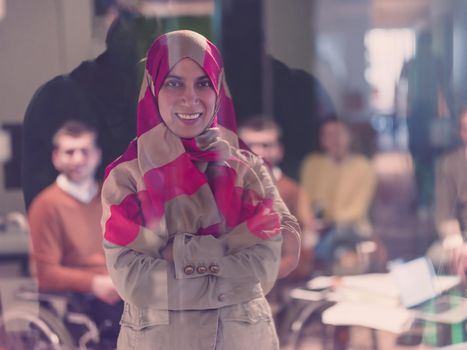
(370, 301)
(360, 299)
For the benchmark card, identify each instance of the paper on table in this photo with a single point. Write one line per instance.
(383, 284)
(380, 284)
(372, 315)
(443, 283)
(373, 288)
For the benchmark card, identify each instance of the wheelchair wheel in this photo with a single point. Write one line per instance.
(25, 330)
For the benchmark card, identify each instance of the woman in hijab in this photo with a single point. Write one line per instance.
(193, 226)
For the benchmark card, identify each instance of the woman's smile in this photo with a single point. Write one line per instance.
(188, 116)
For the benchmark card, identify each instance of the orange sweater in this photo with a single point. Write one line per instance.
(66, 240)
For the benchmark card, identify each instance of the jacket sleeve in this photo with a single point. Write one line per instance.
(149, 280)
(144, 280)
(239, 255)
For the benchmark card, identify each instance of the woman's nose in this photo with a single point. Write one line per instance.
(190, 95)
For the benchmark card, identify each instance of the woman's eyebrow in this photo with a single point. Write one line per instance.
(173, 76)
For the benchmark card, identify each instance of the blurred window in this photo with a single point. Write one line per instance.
(387, 49)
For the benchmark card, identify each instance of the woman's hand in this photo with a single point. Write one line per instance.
(168, 251)
(103, 288)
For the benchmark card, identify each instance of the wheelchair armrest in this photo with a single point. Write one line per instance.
(32, 294)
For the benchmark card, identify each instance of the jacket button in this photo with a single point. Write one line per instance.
(201, 269)
(214, 268)
(188, 270)
(221, 297)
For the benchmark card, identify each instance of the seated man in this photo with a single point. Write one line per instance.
(339, 186)
(262, 135)
(64, 219)
(451, 203)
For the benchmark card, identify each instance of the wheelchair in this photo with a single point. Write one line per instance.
(50, 321)
(301, 315)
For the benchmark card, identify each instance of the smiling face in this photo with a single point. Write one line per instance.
(187, 100)
(77, 157)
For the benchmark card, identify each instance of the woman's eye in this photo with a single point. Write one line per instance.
(204, 83)
(173, 83)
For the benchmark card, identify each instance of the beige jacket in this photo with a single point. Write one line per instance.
(210, 297)
(176, 306)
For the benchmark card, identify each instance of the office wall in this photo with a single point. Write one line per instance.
(288, 31)
(324, 37)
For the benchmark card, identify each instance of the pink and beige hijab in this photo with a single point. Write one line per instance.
(201, 185)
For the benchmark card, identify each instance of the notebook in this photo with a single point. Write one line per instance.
(420, 289)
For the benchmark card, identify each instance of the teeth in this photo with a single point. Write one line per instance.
(188, 116)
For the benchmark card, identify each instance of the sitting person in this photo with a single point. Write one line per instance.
(66, 236)
(263, 136)
(339, 188)
(451, 205)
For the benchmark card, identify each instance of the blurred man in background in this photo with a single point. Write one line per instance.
(451, 202)
(263, 136)
(66, 236)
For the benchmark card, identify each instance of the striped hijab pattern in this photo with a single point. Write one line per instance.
(163, 184)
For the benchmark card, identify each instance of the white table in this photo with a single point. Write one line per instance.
(357, 301)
